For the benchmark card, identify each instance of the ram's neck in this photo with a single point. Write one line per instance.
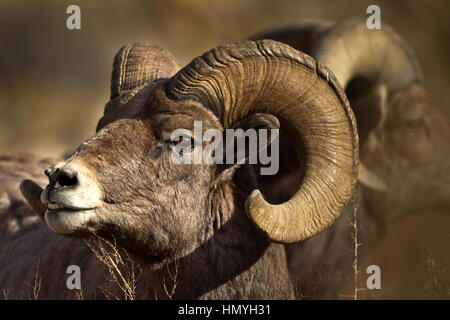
(237, 262)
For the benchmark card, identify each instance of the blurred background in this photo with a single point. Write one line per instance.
(54, 82)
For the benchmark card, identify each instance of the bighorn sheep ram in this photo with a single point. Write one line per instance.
(404, 144)
(209, 219)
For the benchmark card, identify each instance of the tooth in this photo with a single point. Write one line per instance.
(54, 206)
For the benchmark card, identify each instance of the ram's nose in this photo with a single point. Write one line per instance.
(72, 186)
(62, 178)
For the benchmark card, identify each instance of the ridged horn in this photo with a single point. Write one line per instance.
(350, 49)
(382, 57)
(265, 76)
(136, 65)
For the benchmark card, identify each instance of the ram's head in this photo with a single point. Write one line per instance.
(123, 182)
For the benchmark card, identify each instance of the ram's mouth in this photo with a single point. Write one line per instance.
(65, 207)
(67, 220)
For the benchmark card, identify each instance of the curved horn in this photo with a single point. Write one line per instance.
(136, 65)
(353, 51)
(248, 77)
(350, 49)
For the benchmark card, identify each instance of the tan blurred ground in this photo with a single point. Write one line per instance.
(414, 259)
(55, 82)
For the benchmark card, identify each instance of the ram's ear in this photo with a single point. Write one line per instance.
(256, 133)
(31, 191)
(257, 122)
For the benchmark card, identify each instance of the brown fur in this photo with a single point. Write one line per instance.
(165, 215)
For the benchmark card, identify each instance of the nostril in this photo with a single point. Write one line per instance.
(67, 179)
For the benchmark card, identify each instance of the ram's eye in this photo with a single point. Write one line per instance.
(184, 144)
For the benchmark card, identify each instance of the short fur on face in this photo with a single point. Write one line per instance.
(149, 204)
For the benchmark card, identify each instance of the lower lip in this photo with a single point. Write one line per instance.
(66, 221)
(67, 212)
(69, 209)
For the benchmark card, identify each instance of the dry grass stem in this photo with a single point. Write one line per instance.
(122, 269)
(173, 278)
(36, 286)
